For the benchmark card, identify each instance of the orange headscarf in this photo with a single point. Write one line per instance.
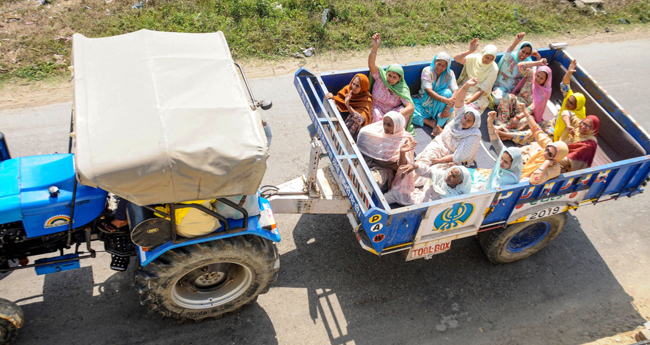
(361, 102)
(536, 161)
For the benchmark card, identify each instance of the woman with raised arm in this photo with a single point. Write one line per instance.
(389, 90)
(436, 94)
(509, 165)
(534, 91)
(545, 155)
(509, 72)
(461, 138)
(480, 66)
(354, 103)
(573, 105)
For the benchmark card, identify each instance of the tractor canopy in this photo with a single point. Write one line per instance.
(164, 117)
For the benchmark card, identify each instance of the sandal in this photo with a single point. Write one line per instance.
(111, 229)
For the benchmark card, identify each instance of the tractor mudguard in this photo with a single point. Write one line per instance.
(254, 228)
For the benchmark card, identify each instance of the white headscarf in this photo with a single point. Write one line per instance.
(490, 49)
(439, 184)
(376, 144)
(455, 128)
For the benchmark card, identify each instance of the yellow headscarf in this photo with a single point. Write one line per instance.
(475, 68)
(538, 159)
(579, 111)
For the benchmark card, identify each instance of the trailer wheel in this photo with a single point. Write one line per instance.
(209, 279)
(11, 319)
(521, 240)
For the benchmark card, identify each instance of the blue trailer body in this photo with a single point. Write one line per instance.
(383, 229)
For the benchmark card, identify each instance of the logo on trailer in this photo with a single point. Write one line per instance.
(454, 216)
(55, 221)
(378, 238)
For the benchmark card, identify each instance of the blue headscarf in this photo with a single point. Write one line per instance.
(509, 75)
(503, 177)
(444, 79)
(515, 54)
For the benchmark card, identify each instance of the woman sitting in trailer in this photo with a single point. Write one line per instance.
(354, 102)
(534, 91)
(385, 146)
(573, 105)
(542, 158)
(434, 106)
(480, 66)
(389, 90)
(509, 72)
(461, 138)
(582, 143)
(509, 164)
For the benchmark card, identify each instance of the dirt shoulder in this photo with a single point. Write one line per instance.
(17, 94)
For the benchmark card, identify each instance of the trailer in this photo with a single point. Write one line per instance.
(511, 223)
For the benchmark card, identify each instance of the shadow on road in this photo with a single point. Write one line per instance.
(563, 294)
(70, 314)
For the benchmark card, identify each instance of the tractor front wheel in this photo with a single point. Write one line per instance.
(11, 319)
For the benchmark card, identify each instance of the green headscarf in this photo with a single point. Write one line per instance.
(400, 88)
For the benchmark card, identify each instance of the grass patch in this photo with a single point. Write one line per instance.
(37, 44)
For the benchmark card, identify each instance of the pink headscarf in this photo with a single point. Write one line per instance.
(541, 93)
(374, 143)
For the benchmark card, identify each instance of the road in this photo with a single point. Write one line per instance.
(590, 283)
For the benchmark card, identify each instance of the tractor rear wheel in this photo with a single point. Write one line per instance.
(209, 279)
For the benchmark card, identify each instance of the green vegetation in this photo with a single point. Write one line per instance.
(273, 29)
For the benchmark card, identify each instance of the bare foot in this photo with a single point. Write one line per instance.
(118, 223)
(436, 131)
(430, 123)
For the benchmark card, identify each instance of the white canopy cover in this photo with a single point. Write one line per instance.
(163, 117)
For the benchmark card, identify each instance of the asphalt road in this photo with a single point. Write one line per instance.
(589, 283)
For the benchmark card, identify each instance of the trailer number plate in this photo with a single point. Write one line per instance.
(428, 249)
(544, 213)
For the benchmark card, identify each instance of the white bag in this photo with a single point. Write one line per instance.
(251, 205)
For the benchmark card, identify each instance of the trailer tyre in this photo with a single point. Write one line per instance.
(521, 240)
(209, 279)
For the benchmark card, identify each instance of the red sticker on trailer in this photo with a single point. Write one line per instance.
(430, 249)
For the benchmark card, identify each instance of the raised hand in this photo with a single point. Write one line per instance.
(522, 108)
(473, 45)
(572, 66)
(408, 145)
(329, 95)
(492, 116)
(536, 55)
(543, 62)
(520, 36)
(348, 97)
(472, 82)
(376, 40)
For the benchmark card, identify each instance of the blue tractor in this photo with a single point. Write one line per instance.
(162, 126)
